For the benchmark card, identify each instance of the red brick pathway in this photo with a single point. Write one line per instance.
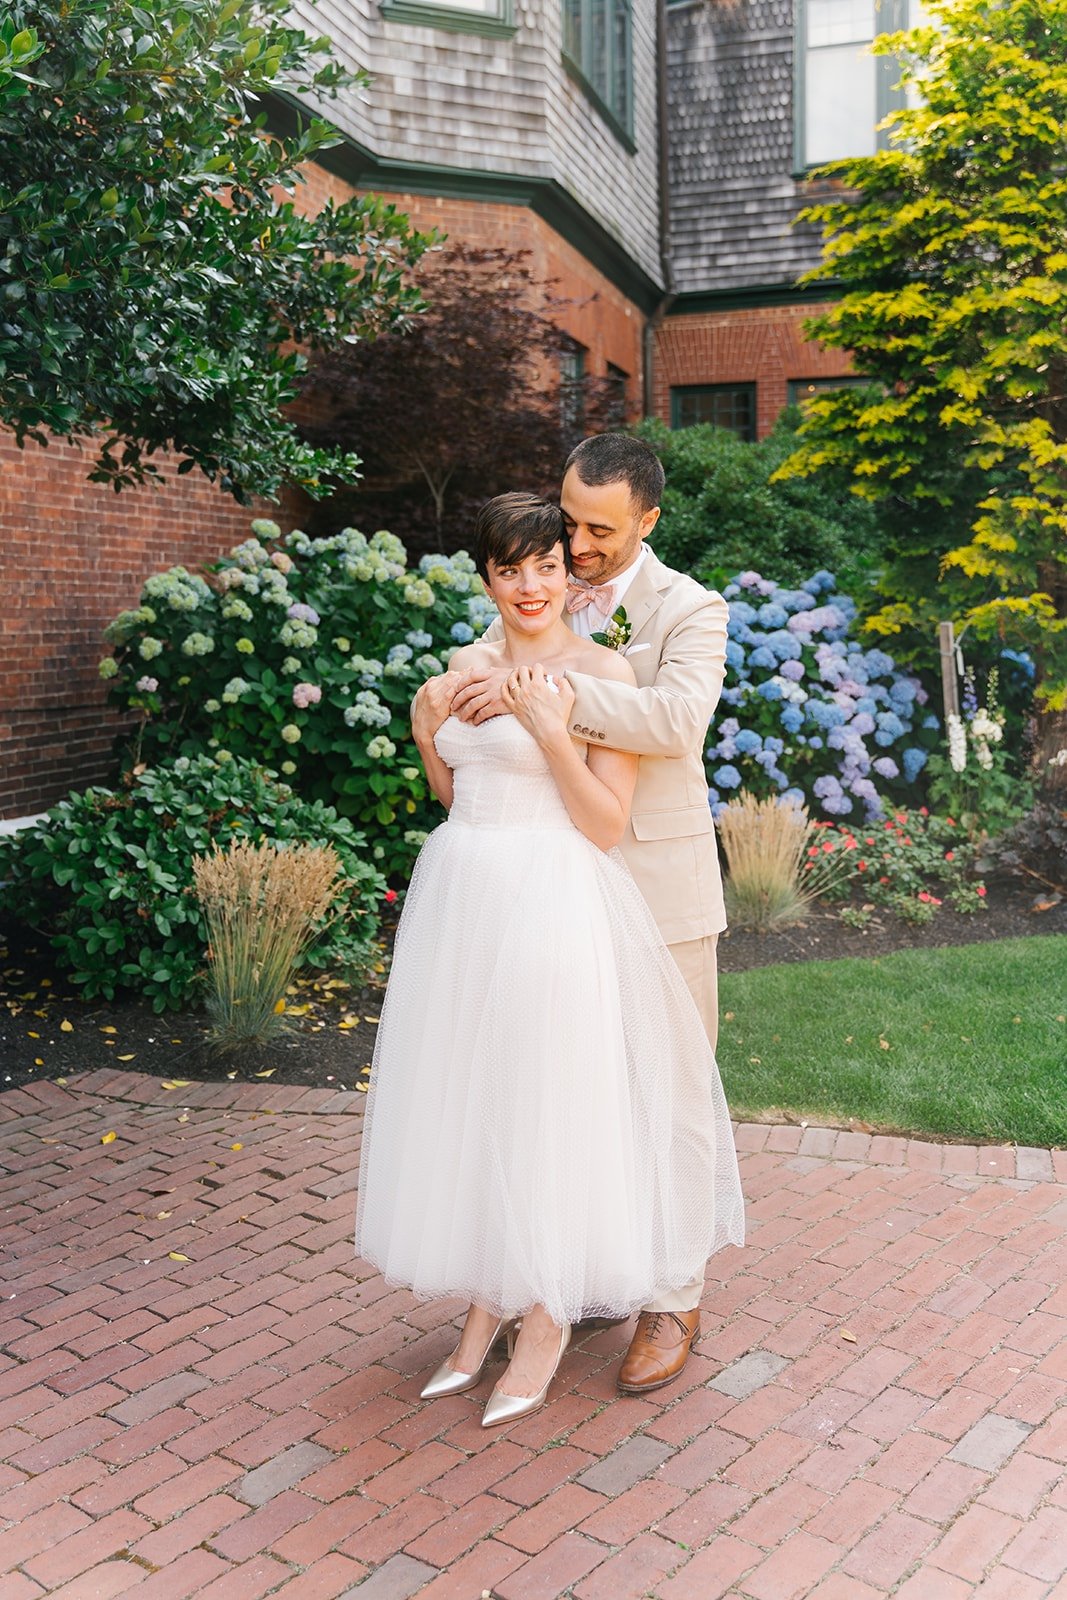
(203, 1393)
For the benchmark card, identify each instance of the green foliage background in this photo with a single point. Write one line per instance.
(155, 291)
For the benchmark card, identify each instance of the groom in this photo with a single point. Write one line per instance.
(674, 636)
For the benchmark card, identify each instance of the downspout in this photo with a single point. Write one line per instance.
(654, 323)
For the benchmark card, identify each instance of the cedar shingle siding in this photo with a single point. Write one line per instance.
(733, 196)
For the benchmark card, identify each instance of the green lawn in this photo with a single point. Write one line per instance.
(968, 1042)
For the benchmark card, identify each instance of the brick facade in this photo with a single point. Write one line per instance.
(763, 345)
(75, 553)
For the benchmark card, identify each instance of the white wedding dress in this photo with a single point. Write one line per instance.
(545, 1121)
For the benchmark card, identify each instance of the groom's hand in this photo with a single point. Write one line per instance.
(480, 697)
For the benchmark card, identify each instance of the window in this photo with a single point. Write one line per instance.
(459, 16)
(596, 47)
(801, 389)
(572, 385)
(842, 90)
(725, 405)
(615, 382)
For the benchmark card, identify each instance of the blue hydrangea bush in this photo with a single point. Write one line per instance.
(303, 655)
(810, 714)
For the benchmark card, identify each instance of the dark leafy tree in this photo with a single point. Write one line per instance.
(158, 281)
(461, 403)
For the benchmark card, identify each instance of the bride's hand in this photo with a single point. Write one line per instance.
(542, 707)
(433, 705)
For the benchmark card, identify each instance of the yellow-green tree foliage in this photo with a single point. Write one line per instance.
(949, 252)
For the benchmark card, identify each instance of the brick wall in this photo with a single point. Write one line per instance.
(75, 553)
(764, 345)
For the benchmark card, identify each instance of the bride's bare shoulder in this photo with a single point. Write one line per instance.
(600, 662)
(477, 657)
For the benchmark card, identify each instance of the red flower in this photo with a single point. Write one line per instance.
(883, 880)
(923, 812)
(867, 840)
(813, 850)
(906, 839)
(981, 890)
(950, 855)
(902, 816)
(950, 822)
(828, 845)
(929, 899)
(389, 896)
(862, 865)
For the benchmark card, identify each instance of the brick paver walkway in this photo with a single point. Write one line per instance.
(203, 1393)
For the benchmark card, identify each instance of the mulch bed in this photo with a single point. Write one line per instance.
(48, 1032)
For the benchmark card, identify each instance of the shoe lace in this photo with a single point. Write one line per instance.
(657, 1318)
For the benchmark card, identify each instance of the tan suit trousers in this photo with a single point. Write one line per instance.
(697, 961)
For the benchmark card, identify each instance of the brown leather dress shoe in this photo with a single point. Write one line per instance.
(658, 1350)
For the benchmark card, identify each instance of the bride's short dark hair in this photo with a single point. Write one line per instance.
(512, 526)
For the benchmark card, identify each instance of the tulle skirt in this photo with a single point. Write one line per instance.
(545, 1122)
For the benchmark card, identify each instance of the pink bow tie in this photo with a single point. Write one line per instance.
(601, 596)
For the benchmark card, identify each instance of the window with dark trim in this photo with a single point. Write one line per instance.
(724, 405)
(457, 16)
(597, 47)
(572, 385)
(801, 389)
(843, 91)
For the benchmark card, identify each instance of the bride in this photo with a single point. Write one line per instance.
(546, 1134)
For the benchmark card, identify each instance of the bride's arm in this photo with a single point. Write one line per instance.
(597, 794)
(429, 709)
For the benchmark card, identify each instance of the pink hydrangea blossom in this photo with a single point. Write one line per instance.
(306, 694)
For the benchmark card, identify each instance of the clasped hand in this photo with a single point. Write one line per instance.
(542, 707)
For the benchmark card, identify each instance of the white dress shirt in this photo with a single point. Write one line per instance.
(590, 619)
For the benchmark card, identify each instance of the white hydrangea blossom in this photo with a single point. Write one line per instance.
(957, 742)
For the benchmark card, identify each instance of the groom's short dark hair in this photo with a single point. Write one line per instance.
(512, 526)
(616, 458)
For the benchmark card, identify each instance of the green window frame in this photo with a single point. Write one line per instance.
(841, 93)
(725, 405)
(801, 389)
(492, 18)
(598, 54)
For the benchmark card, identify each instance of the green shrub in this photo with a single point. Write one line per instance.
(108, 874)
(302, 654)
(722, 514)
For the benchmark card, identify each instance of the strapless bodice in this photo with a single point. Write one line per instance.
(501, 776)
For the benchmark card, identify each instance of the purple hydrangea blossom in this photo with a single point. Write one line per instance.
(833, 742)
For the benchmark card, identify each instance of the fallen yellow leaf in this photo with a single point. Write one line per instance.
(160, 1215)
(268, 1072)
(126, 1058)
(32, 1034)
(883, 1044)
(63, 1081)
(370, 1019)
(108, 1138)
(176, 1255)
(37, 1061)
(279, 1008)
(107, 1028)
(851, 1337)
(66, 1027)
(237, 1147)
(184, 1117)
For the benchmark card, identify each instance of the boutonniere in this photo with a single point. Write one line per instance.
(617, 632)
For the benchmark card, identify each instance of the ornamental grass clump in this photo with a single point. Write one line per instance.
(772, 879)
(263, 907)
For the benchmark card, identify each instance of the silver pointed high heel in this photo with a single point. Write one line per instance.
(503, 1408)
(447, 1380)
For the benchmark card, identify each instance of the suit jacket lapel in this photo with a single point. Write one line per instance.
(645, 594)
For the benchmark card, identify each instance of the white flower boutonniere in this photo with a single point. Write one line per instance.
(617, 632)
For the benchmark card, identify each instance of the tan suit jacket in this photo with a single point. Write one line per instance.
(677, 649)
